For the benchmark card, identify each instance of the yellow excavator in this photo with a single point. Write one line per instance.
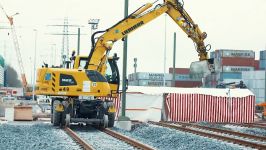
(74, 89)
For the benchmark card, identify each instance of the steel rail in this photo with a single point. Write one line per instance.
(126, 139)
(210, 135)
(249, 125)
(73, 135)
(229, 132)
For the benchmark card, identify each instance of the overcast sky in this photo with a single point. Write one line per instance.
(238, 24)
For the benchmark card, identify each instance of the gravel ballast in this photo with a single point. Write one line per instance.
(100, 140)
(168, 139)
(32, 136)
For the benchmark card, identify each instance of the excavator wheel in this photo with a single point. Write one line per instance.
(105, 121)
(67, 120)
(111, 120)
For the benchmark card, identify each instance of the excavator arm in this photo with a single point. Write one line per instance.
(98, 56)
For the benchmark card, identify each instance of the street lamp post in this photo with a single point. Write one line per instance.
(31, 72)
(34, 65)
(164, 58)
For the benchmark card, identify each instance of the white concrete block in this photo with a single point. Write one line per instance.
(125, 125)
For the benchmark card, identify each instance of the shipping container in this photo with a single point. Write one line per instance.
(263, 55)
(188, 84)
(149, 76)
(231, 61)
(261, 93)
(235, 53)
(230, 75)
(260, 100)
(256, 64)
(211, 84)
(211, 77)
(184, 77)
(179, 70)
(259, 84)
(262, 64)
(253, 75)
(212, 55)
(150, 83)
(237, 68)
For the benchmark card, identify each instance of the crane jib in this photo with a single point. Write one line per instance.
(133, 28)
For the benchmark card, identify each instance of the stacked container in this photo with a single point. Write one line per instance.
(255, 81)
(262, 59)
(233, 63)
(182, 78)
(210, 81)
(150, 79)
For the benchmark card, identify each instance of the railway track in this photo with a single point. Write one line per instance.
(114, 134)
(229, 132)
(250, 125)
(80, 141)
(212, 135)
(126, 139)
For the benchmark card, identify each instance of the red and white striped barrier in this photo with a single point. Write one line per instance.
(116, 101)
(200, 107)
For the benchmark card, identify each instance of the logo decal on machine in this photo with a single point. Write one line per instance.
(132, 28)
(94, 84)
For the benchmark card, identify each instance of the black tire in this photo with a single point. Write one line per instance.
(63, 119)
(111, 120)
(56, 115)
(51, 115)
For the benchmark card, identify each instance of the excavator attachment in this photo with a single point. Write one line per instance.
(201, 69)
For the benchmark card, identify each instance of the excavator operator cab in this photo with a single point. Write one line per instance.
(112, 72)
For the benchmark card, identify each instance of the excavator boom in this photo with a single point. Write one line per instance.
(145, 14)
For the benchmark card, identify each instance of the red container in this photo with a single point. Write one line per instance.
(179, 70)
(257, 65)
(234, 61)
(188, 84)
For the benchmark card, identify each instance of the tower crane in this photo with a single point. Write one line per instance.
(18, 53)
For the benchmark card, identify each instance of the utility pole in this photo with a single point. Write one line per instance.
(34, 70)
(78, 48)
(164, 58)
(124, 77)
(135, 68)
(174, 58)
